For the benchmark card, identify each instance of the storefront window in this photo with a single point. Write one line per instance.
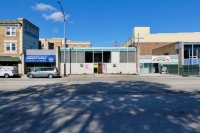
(187, 51)
(186, 54)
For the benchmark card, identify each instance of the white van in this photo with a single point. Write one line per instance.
(8, 71)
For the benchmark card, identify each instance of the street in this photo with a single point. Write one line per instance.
(100, 105)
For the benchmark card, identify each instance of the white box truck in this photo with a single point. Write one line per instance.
(8, 71)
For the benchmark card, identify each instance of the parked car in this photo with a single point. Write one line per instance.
(44, 72)
(8, 71)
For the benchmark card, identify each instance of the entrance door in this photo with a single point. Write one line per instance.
(155, 66)
(99, 68)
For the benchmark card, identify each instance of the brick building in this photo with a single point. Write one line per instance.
(15, 37)
(159, 43)
(52, 43)
(166, 50)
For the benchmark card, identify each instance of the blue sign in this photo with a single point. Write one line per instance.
(40, 58)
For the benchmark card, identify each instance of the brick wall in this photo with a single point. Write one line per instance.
(146, 48)
(169, 49)
(4, 38)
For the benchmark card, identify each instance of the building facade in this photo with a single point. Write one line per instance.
(52, 43)
(189, 52)
(149, 41)
(100, 60)
(158, 44)
(15, 37)
(41, 58)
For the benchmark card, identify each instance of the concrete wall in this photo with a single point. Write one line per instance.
(115, 57)
(144, 33)
(88, 68)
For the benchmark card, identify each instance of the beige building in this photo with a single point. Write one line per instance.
(149, 41)
(52, 43)
(15, 37)
(164, 41)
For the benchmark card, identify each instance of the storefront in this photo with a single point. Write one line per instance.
(98, 60)
(39, 58)
(154, 64)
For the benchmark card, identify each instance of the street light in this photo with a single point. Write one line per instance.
(64, 37)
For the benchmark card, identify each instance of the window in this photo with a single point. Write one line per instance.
(123, 57)
(187, 51)
(80, 57)
(10, 31)
(106, 57)
(186, 54)
(88, 57)
(131, 57)
(10, 46)
(97, 57)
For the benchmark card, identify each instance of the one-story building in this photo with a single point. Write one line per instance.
(98, 60)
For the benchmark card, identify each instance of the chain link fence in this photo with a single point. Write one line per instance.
(184, 70)
(187, 70)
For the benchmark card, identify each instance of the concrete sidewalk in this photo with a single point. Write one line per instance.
(113, 75)
(119, 75)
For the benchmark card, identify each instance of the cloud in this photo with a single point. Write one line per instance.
(56, 16)
(43, 7)
(55, 30)
(49, 12)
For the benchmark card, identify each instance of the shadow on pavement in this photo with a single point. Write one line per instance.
(100, 107)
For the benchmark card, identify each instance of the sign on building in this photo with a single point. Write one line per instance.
(40, 58)
(160, 59)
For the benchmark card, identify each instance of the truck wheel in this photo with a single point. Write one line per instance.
(6, 75)
(30, 76)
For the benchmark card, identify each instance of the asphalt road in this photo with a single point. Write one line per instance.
(100, 105)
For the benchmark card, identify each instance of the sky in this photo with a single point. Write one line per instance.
(104, 22)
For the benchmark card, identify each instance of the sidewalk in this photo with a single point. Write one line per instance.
(118, 75)
(100, 75)
(112, 75)
(158, 75)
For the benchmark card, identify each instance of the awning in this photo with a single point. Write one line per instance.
(9, 59)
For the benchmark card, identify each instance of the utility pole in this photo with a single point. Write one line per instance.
(138, 54)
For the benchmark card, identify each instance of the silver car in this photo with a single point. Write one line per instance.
(44, 72)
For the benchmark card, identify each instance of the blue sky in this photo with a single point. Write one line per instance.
(104, 21)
